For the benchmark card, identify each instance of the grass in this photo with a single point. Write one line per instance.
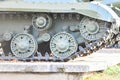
(112, 73)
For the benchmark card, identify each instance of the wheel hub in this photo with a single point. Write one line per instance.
(63, 45)
(92, 27)
(23, 45)
(41, 22)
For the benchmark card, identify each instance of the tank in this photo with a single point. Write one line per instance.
(57, 30)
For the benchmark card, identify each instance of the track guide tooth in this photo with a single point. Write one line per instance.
(47, 56)
(77, 54)
(10, 56)
(23, 60)
(62, 60)
(82, 49)
(39, 56)
(33, 57)
(3, 56)
(87, 45)
(54, 58)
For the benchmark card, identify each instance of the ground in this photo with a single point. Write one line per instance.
(112, 73)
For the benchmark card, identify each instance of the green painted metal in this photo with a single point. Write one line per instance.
(92, 9)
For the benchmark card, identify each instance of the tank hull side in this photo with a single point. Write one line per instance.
(91, 9)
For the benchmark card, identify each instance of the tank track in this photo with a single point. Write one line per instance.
(89, 48)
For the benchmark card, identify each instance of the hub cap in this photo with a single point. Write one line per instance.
(40, 22)
(92, 27)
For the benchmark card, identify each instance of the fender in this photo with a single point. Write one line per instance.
(102, 12)
(93, 9)
(99, 11)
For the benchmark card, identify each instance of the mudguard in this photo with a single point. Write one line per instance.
(92, 9)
